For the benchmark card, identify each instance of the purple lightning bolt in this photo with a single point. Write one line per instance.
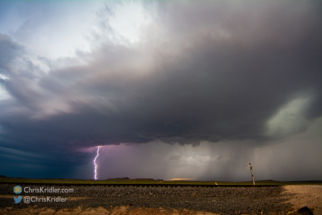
(95, 165)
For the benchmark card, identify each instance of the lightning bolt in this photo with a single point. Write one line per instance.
(95, 165)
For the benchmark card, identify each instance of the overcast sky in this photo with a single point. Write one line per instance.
(169, 89)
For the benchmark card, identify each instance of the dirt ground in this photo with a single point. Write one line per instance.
(123, 210)
(306, 196)
(298, 196)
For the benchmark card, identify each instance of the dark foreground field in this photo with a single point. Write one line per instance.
(220, 200)
(115, 199)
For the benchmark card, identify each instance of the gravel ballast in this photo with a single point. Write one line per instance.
(221, 200)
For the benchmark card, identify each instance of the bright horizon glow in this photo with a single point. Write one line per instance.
(181, 179)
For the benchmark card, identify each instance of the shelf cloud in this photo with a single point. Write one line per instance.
(185, 73)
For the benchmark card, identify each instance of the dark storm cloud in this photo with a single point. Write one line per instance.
(207, 71)
(8, 51)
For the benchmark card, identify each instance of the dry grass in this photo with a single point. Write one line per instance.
(149, 181)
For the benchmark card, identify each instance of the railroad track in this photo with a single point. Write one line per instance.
(138, 185)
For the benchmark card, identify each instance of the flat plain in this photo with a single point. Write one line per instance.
(147, 196)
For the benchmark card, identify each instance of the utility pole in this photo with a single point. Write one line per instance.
(250, 166)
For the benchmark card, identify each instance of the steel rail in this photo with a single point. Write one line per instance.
(138, 185)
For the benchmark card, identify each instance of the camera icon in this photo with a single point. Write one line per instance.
(26, 199)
